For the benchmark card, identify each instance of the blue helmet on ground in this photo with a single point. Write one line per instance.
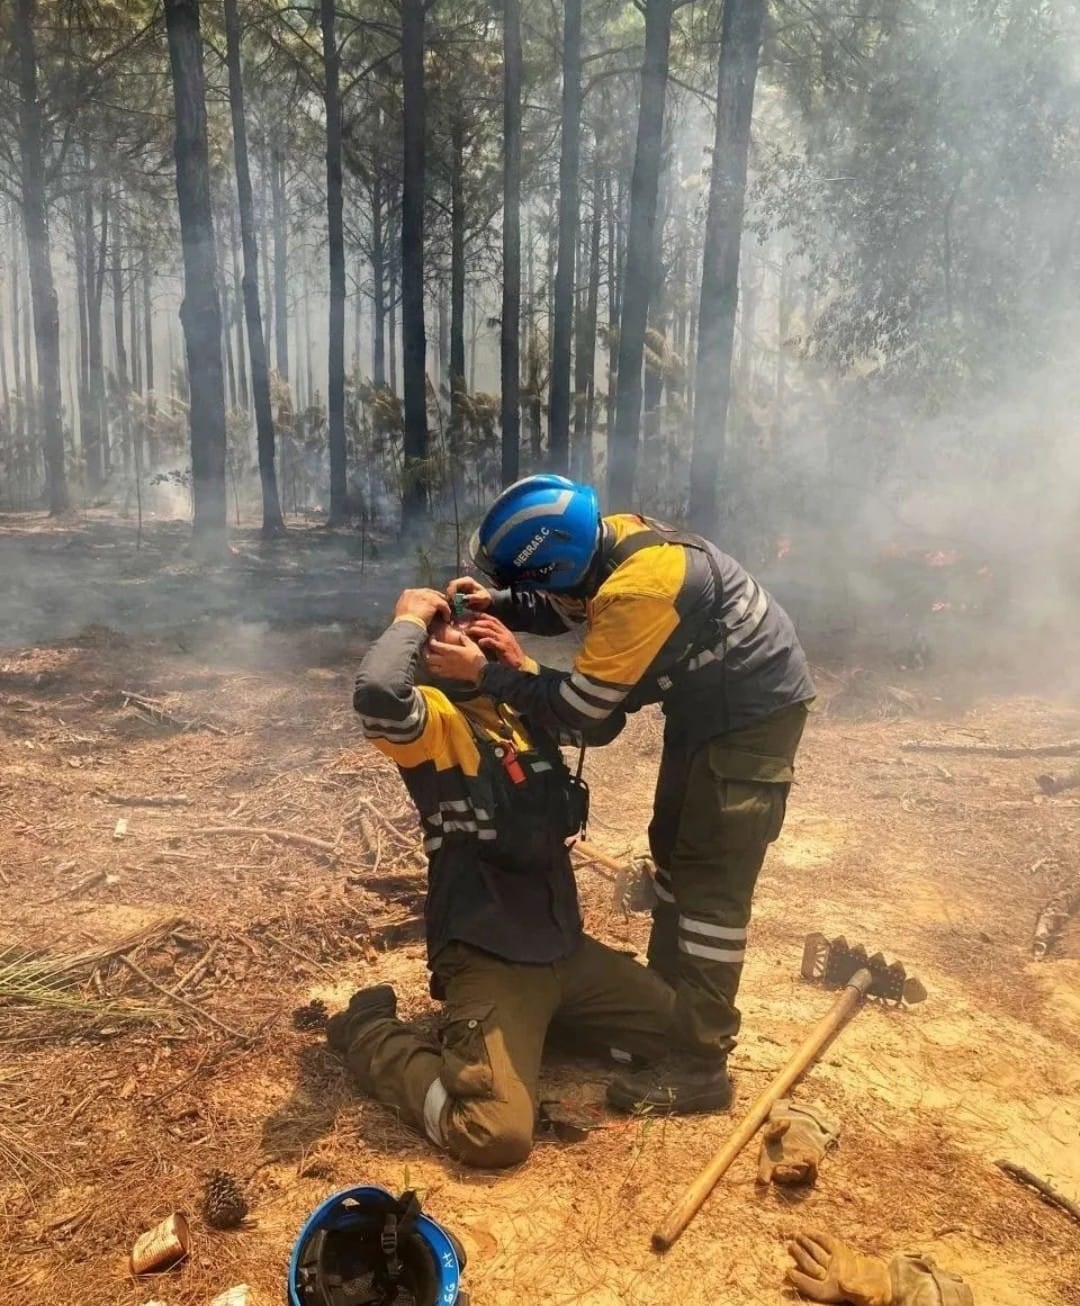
(542, 532)
(365, 1247)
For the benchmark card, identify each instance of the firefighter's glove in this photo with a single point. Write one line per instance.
(635, 885)
(828, 1270)
(796, 1138)
(917, 1281)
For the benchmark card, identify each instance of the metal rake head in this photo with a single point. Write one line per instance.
(833, 962)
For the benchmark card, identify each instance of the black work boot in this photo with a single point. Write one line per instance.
(677, 1086)
(366, 1005)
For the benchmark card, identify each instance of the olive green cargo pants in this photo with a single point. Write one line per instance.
(474, 1091)
(717, 809)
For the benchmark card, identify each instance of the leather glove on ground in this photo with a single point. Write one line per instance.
(797, 1136)
(917, 1281)
(828, 1270)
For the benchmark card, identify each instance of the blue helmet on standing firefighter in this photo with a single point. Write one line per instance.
(365, 1247)
(542, 532)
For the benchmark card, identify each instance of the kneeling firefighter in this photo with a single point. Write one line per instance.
(671, 620)
(506, 948)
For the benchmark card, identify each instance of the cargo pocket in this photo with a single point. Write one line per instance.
(752, 812)
(466, 1069)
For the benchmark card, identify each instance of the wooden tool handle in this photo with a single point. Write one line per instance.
(694, 1197)
(593, 854)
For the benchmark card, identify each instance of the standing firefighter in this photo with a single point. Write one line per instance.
(670, 619)
(505, 942)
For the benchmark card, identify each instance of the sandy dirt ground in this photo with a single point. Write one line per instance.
(108, 1123)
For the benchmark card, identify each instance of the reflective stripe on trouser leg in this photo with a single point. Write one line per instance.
(662, 885)
(435, 1103)
(711, 955)
(703, 938)
(725, 828)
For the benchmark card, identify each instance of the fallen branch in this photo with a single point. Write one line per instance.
(183, 1002)
(300, 956)
(269, 832)
(1024, 1176)
(1052, 920)
(92, 961)
(163, 716)
(1056, 784)
(402, 839)
(143, 800)
(87, 882)
(1064, 749)
(181, 1083)
(196, 970)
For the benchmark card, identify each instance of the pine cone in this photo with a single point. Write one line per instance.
(224, 1204)
(311, 1016)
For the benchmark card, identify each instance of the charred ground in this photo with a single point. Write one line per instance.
(210, 729)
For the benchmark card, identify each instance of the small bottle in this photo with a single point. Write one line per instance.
(507, 754)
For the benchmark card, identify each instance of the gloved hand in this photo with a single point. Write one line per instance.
(796, 1138)
(828, 1270)
(635, 888)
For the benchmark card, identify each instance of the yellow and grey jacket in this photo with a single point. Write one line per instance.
(492, 794)
(673, 620)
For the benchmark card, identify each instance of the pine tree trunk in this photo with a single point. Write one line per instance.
(200, 312)
(656, 350)
(393, 323)
(335, 398)
(121, 347)
(272, 523)
(585, 370)
(29, 383)
(134, 352)
(746, 322)
(378, 283)
(358, 325)
(238, 312)
(510, 346)
(170, 342)
(457, 296)
(5, 396)
(308, 399)
(414, 346)
(280, 201)
(153, 455)
(226, 334)
(16, 327)
(442, 312)
(99, 433)
(264, 218)
(39, 255)
(740, 47)
(783, 326)
(472, 346)
(640, 251)
(563, 310)
(79, 243)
